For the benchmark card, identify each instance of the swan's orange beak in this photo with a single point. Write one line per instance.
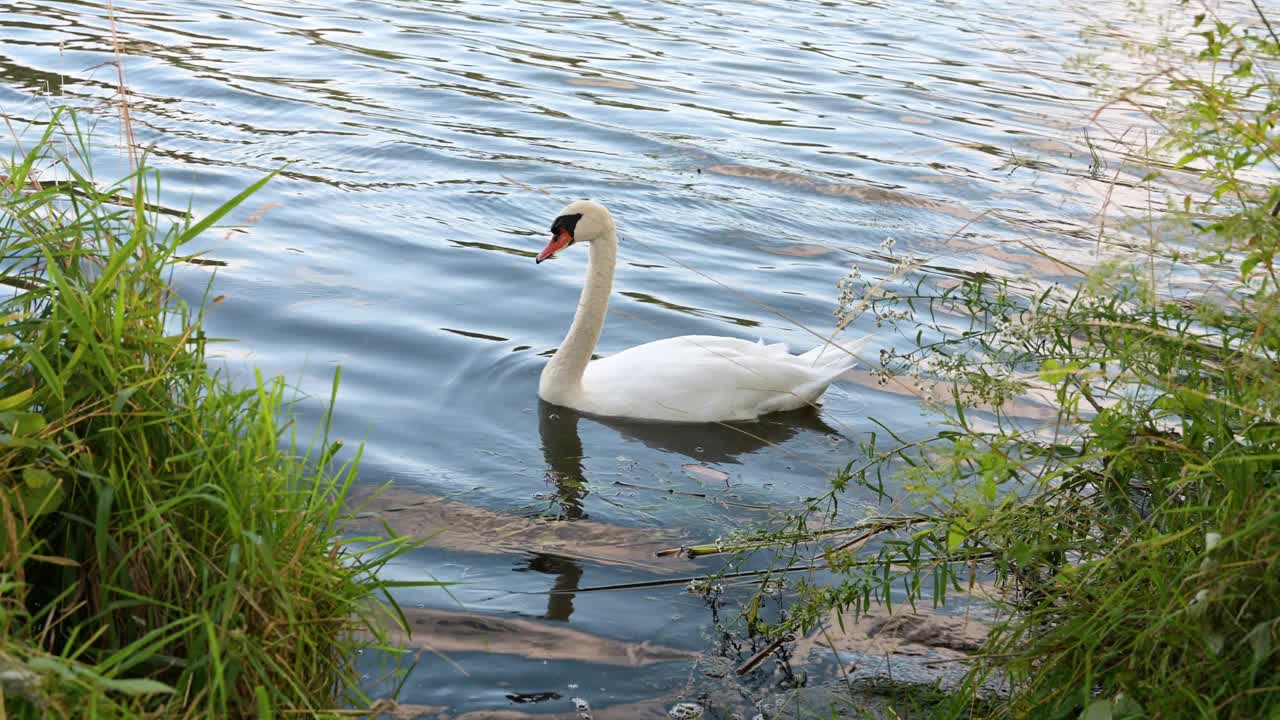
(559, 240)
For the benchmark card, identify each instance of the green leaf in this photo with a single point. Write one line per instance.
(989, 488)
(122, 397)
(1126, 707)
(1097, 710)
(13, 402)
(23, 423)
(955, 536)
(37, 477)
(194, 231)
(264, 703)
(48, 664)
(7, 440)
(1049, 368)
(135, 686)
(1052, 371)
(1248, 264)
(41, 492)
(106, 280)
(42, 366)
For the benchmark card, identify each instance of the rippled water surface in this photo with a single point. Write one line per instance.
(751, 152)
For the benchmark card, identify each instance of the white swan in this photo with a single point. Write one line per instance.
(694, 378)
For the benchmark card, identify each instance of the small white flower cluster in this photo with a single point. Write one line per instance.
(891, 316)
(881, 375)
(704, 587)
(936, 364)
(850, 291)
(1267, 410)
(1021, 329)
(855, 292)
(923, 374)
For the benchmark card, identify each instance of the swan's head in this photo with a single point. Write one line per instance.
(581, 221)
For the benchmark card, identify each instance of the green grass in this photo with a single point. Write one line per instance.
(166, 547)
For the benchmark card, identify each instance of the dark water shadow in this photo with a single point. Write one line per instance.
(704, 442)
(716, 443)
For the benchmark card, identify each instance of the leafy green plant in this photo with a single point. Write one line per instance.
(1134, 534)
(166, 547)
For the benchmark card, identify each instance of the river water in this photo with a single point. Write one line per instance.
(751, 152)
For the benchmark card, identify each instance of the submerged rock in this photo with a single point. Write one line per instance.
(934, 631)
(904, 632)
(685, 711)
(888, 661)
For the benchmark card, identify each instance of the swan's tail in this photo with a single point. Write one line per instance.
(843, 354)
(829, 361)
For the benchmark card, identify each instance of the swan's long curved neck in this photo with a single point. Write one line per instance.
(562, 376)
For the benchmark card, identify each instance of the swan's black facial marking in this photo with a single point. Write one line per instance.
(566, 223)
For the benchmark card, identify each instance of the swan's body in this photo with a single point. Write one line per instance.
(693, 378)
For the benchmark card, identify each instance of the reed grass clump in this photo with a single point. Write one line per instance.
(166, 547)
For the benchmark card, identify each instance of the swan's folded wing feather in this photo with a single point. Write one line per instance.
(700, 378)
(837, 352)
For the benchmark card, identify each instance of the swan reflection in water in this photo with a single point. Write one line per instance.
(567, 573)
(562, 451)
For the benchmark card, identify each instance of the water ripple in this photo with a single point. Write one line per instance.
(750, 151)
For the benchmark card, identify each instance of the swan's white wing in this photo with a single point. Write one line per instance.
(701, 378)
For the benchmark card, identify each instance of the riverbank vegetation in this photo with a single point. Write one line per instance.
(167, 547)
(1110, 452)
